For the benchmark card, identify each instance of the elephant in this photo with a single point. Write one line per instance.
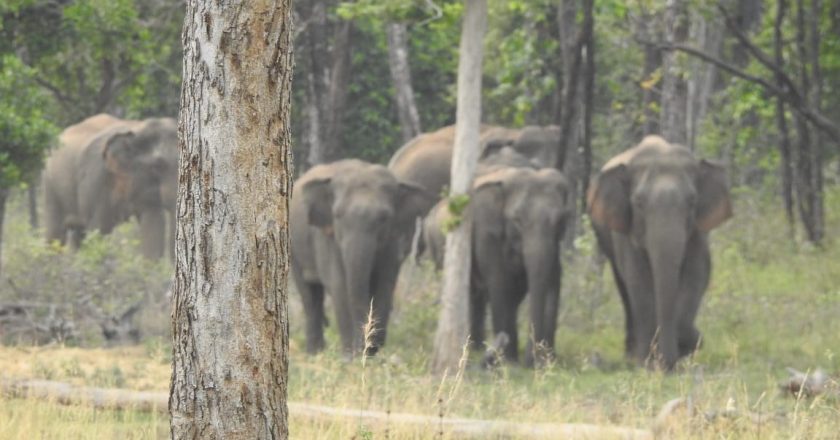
(652, 208)
(107, 170)
(426, 160)
(344, 217)
(518, 217)
(432, 239)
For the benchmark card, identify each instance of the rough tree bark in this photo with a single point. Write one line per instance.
(652, 62)
(401, 77)
(230, 323)
(452, 331)
(674, 90)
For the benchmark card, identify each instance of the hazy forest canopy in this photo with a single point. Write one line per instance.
(752, 84)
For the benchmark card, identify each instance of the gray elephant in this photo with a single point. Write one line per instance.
(432, 239)
(426, 160)
(652, 208)
(107, 170)
(344, 218)
(518, 218)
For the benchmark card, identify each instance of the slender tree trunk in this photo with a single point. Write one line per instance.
(401, 77)
(452, 332)
(701, 81)
(328, 54)
(338, 88)
(568, 118)
(230, 322)
(4, 194)
(673, 102)
(786, 163)
(807, 178)
(652, 62)
(317, 79)
(588, 99)
(32, 196)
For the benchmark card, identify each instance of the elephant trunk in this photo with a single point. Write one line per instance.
(666, 242)
(543, 271)
(358, 252)
(152, 227)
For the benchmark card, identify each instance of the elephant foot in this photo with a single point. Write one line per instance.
(539, 355)
(689, 342)
(494, 354)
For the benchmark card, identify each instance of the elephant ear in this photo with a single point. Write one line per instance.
(714, 205)
(118, 153)
(412, 201)
(318, 198)
(609, 199)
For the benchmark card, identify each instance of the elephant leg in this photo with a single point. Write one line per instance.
(385, 280)
(693, 283)
(312, 297)
(636, 272)
(606, 245)
(54, 217)
(331, 274)
(503, 306)
(478, 312)
(629, 327)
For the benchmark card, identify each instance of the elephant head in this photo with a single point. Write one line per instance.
(134, 159)
(538, 143)
(528, 209)
(664, 201)
(360, 209)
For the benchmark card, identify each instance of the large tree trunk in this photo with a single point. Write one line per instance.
(452, 331)
(674, 89)
(652, 62)
(401, 77)
(230, 323)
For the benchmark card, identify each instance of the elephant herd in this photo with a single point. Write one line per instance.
(352, 224)
(651, 207)
(107, 170)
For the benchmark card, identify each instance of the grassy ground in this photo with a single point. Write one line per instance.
(772, 304)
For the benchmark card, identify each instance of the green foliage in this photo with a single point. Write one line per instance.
(25, 134)
(456, 205)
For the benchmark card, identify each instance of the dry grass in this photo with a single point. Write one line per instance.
(771, 305)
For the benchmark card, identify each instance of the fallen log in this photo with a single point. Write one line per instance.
(148, 401)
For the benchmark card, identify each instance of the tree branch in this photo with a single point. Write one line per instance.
(789, 95)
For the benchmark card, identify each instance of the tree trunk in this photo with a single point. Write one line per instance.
(673, 102)
(32, 196)
(652, 62)
(808, 180)
(568, 118)
(701, 81)
(588, 100)
(317, 79)
(230, 322)
(786, 163)
(327, 81)
(4, 193)
(452, 332)
(401, 77)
